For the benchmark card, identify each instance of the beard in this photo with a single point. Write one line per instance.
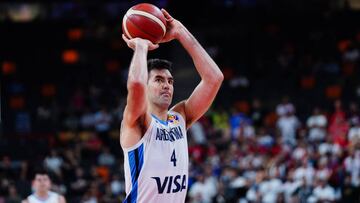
(163, 101)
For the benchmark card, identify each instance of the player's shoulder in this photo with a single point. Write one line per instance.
(179, 108)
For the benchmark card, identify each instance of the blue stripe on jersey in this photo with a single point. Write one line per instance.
(136, 160)
(158, 119)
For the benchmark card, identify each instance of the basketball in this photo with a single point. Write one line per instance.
(144, 21)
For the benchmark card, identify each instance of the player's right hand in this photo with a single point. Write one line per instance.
(139, 42)
(174, 27)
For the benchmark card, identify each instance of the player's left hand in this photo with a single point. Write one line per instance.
(135, 42)
(173, 27)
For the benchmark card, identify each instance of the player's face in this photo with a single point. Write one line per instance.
(42, 183)
(160, 87)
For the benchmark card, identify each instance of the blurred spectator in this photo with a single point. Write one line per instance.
(220, 119)
(13, 196)
(305, 172)
(288, 124)
(79, 185)
(106, 158)
(257, 113)
(323, 192)
(203, 190)
(117, 186)
(317, 126)
(285, 107)
(352, 167)
(71, 121)
(349, 192)
(354, 134)
(103, 123)
(87, 120)
(338, 127)
(354, 114)
(54, 162)
(197, 133)
(236, 120)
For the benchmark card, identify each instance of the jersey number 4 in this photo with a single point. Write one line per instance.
(173, 158)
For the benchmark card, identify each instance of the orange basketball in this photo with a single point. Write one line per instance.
(144, 21)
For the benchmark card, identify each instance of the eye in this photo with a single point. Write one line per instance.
(171, 82)
(157, 80)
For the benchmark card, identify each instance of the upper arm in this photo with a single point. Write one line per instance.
(198, 102)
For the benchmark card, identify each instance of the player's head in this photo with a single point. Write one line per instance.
(160, 82)
(41, 181)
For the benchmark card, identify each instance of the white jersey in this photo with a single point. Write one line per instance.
(52, 198)
(156, 168)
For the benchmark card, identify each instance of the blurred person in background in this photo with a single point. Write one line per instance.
(288, 124)
(317, 126)
(41, 186)
(54, 163)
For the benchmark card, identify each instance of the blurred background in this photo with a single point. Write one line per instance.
(284, 127)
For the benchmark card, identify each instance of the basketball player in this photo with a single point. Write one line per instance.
(42, 194)
(153, 137)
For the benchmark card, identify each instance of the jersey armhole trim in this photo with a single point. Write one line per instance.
(127, 149)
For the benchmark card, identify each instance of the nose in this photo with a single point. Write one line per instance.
(166, 85)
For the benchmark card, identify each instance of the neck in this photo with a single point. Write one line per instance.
(42, 194)
(159, 112)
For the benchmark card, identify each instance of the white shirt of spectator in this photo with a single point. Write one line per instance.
(318, 132)
(203, 191)
(282, 109)
(53, 163)
(52, 198)
(117, 187)
(102, 121)
(106, 159)
(270, 190)
(197, 133)
(322, 193)
(352, 165)
(299, 153)
(304, 172)
(288, 126)
(290, 187)
(354, 133)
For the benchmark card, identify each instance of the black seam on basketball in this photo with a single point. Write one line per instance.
(140, 28)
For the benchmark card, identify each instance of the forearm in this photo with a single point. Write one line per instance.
(138, 73)
(136, 85)
(205, 65)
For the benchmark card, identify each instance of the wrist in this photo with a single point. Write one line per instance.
(141, 45)
(181, 32)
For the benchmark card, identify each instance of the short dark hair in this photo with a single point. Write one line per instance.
(159, 64)
(40, 171)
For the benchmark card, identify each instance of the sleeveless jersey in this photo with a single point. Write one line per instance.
(52, 198)
(156, 168)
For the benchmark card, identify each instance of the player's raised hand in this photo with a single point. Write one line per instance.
(136, 42)
(173, 27)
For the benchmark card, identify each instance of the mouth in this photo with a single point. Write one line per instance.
(166, 94)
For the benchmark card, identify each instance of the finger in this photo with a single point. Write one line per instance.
(125, 38)
(153, 46)
(167, 15)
